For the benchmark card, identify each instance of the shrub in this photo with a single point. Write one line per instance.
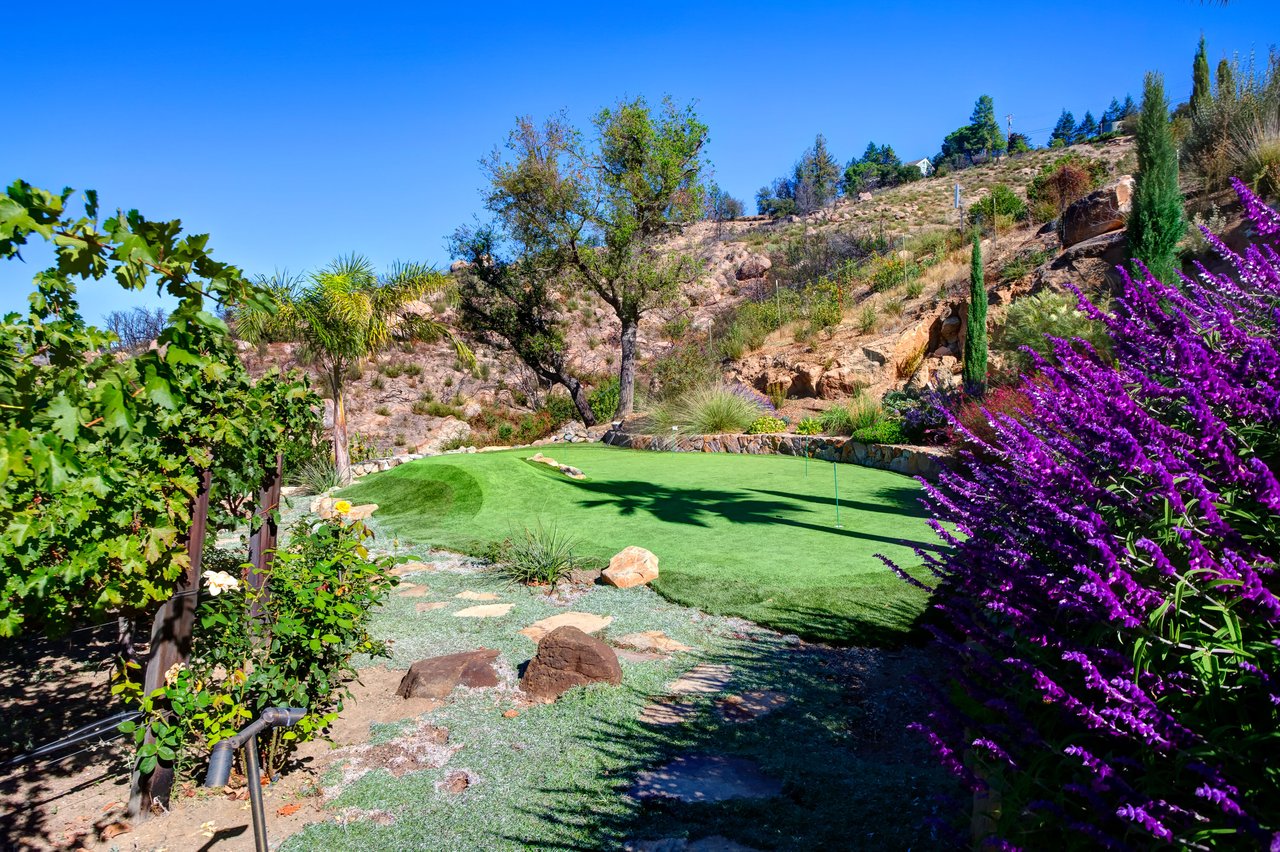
(858, 413)
(537, 557)
(923, 413)
(559, 408)
(867, 319)
(506, 432)
(809, 426)
(884, 432)
(888, 271)
(1033, 322)
(777, 395)
(1068, 178)
(376, 383)
(1002, 201)
(765, 425)
(604, 400)
(291, 646)
(709, 410)
(685, 366)
(392, 371)
(1110, 609)
(382, 411)
(414, 370)
(425, 408)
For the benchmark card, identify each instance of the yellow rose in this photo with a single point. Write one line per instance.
(342, 507)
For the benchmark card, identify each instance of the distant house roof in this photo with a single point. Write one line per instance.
(924, 164)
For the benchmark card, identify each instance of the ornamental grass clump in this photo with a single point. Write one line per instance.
(1109, 591)
(710, 410)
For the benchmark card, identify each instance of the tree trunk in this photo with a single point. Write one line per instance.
(341, 454)
(627, 373)
(171, 633)
(579, 395)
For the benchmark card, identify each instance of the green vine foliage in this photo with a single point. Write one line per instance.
(100, 456)
(310, 622)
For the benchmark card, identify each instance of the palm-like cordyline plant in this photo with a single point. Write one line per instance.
(343, 314)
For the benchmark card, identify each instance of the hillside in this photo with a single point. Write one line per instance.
(882, 336)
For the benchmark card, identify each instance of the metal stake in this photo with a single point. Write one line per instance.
(835, 473)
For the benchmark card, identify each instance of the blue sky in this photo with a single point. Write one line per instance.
(296, 132)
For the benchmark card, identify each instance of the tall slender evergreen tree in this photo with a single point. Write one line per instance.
(975, 335)
(1157, 222)
(1201, 86)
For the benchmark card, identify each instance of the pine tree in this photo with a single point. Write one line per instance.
(1156, 223)
(1088, 127)
(1111, 116)
(1201, 88)
(1128, 108)
(986, 128)
(1065, 129)
(975, 335)
(818, 172)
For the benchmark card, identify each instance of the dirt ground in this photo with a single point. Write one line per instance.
(80, 801)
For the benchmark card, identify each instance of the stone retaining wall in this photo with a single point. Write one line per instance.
(913, 461)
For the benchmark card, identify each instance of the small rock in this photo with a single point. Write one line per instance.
(632, 566)
(406, 568)
(566, 658)
(572, 472)
(476, 596)
(584, 576)
(436, 677)
(585, 621)
(484, 611)
(361, 513)
(510, 714)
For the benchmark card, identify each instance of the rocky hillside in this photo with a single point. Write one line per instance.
(420, 396)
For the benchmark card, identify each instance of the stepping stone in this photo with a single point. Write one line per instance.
(650, 640)
(702, 679)
(667, 713)
(427, 606)
(705, 778)
(408, 590)
(469, 595)
(751, 705)
(484, 611)
(585, 621)
(640, 656)
(406, 568)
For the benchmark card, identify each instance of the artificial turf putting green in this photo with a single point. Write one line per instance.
(750, 536)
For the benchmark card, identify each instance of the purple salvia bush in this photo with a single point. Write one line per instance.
(1110, 589)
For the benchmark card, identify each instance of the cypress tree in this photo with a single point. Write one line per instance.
(1201, 87)
(1226, 82)
(1156, 223)
(975, 334)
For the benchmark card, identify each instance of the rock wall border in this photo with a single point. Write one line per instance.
(912, 461)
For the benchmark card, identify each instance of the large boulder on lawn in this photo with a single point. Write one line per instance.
(1098, 212)
(436, 677)
(632, 566)
(566, 658)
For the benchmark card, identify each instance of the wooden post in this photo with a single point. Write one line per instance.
(171, 632)
(262, 541)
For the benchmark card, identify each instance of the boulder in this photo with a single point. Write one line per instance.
(841, 382)
(1098, 212)
(754, 266)
(865, 196)
(436, 677)
(804, 381)
(566, 658)
(632, 566)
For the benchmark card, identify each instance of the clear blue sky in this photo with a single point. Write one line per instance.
(296, 132)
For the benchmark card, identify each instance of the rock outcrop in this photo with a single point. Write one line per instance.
(632, 566)
(1098, 212)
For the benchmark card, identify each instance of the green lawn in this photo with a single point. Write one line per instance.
(748, 536)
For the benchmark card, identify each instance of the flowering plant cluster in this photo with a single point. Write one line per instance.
(289, 644)
(1110, 592)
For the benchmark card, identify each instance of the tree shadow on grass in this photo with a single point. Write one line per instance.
(852, 775)
(699, 506)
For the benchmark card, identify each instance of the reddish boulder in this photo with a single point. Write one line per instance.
(566, 658)
(436, 677)
(1098, 212)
